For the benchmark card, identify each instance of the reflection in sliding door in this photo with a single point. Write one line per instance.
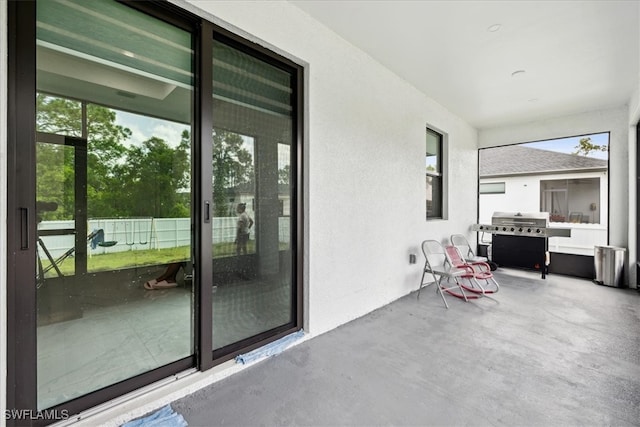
(114, 113)
(252, 227)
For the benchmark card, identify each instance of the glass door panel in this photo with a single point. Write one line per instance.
(114, 117)
(252, 230)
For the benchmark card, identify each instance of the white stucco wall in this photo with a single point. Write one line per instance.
(365, 207)
(615, 121)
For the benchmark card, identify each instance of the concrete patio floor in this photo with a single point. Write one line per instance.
(560, 351)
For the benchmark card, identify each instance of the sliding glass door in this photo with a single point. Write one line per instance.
(154, 198)
(114, 108)
(253, 192)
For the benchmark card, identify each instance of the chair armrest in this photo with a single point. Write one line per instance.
(482, 265)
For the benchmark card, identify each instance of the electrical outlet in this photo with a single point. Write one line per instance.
(412, 258)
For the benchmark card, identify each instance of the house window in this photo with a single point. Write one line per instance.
(492, 188)
(434, 176)
(571, 200)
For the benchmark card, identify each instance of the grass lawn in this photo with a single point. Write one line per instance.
(138, 258)
(145, 257)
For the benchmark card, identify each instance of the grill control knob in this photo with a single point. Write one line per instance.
(504, 228)
(513, 229)
(520, 229)
(481, 227)
(528, 230)
(538, 230)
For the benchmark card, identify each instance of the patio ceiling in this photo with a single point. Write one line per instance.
(576, 56)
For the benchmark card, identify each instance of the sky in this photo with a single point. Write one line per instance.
(143, 127)
(567, 145)
(562, 145)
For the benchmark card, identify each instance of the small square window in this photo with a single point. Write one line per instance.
(492, 188)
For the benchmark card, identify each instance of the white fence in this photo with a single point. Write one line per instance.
(134, 234)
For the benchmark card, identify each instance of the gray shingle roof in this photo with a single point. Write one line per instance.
(518, 159)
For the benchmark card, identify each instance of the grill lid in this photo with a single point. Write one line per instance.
(537, 219)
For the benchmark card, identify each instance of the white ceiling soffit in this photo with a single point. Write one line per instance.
(102, 73)
(576, 56)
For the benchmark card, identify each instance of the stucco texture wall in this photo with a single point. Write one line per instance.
(364, 155)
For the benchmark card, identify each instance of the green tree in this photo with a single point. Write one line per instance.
(58, 115)
(54, 179)
(148, 180)
(56, 167)
(54, 162)
(585, 147)
(284, 174)
(105, 153)
(155, 173)
(232, 167)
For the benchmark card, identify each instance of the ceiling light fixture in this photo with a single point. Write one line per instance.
(494, 28)
(518, 73)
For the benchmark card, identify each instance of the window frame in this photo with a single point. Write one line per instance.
(503, 191)
(567, 213)
(438, 201)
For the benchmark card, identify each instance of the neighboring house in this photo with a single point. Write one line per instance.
(572, 188)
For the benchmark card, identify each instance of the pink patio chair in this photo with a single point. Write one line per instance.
(478, 274)
(437, 267)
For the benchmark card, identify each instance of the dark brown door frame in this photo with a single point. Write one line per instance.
(203, 152)
(22, 227)
(21, 218)
(297, 101)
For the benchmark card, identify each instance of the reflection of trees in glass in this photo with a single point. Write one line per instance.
(54, 180)
(104, 157)
(232, 166)
(58, 115)
(153, 175)
(283, 175)
(147, 180)
(284, 163)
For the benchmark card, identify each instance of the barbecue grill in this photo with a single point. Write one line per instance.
(521, 224)
(512, 243)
